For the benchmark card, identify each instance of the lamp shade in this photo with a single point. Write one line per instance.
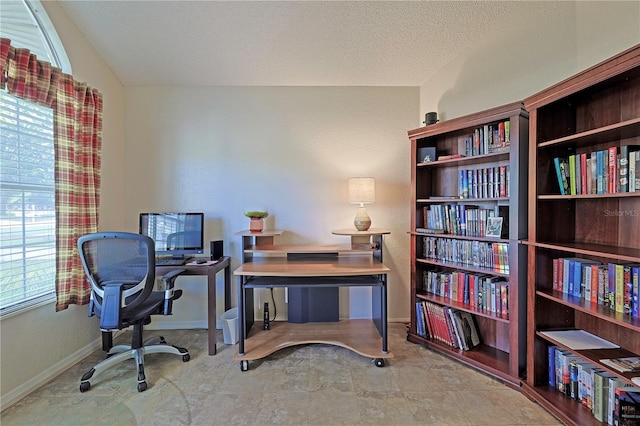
(362, 190)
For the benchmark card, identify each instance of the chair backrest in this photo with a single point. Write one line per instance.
(118, 261)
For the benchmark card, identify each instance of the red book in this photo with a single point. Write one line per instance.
(427, 320)
(435, 320)
(555, 263)
(504, 300)
(594, 283)
(613, 169)
(503, 181)
(460, 287)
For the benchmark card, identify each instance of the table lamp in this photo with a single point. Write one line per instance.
(362, 190)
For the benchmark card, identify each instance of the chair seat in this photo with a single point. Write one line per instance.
(146, 309)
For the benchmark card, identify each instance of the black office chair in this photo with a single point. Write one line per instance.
(120, 267)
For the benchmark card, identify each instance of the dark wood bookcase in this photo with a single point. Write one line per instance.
(502, 351)
(594, 110)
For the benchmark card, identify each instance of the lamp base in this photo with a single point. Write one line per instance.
(362, 220)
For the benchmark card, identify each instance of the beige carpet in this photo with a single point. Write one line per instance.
(304, 385)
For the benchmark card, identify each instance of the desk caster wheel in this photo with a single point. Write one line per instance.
(379, 362)
(244, 365)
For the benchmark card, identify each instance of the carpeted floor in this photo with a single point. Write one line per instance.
(303, 385)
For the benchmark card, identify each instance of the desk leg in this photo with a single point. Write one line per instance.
(211, 311)
(379, 310)
(385, 349)
(227, 287)
(241, 314)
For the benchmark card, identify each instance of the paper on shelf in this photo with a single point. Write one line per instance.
(579, 339)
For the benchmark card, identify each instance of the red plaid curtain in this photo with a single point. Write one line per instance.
(77, 115)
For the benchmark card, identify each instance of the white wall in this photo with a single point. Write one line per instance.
(554, 41)
(41, 343)
(290, 150)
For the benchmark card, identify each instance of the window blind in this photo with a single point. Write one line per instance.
(27, 202)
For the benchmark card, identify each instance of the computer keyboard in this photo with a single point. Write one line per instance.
(170, 261)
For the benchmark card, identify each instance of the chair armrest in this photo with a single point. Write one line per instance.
(110, 315)
(169, 293)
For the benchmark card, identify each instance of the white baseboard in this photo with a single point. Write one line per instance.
(36, 382)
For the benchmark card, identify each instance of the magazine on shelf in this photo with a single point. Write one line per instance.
(624, 364)
(579, 340)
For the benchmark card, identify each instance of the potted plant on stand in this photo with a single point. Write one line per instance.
(257, 220)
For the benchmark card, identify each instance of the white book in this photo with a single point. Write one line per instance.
(614, 382)
(632, 171)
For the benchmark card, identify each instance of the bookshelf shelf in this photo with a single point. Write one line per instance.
(460, 200)
(438, 186)
(567, 410)
(595, 110)
(597, 311)
(543, 197)
(463, 237)
(490, 360)
(595, 355)
(617, 131)
(463, 267)
(616, 253)
(463, 161)
(461, 306)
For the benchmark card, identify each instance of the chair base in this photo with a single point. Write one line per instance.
(121, 353)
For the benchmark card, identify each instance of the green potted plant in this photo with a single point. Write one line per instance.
(257, 219)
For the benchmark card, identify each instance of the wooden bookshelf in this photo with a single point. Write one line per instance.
(592, 111)
(501, 353)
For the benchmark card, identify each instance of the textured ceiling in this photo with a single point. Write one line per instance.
(326, 43)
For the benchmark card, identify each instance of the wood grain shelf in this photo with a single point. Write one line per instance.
(592, 111)
(502, 352)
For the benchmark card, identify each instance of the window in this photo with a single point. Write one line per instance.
(26, 24)
(27, 202)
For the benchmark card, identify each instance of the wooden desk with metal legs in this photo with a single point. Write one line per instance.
(365, 337)
(211, 271)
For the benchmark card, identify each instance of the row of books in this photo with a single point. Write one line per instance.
(463, 219)
(612, 285)
(486, 292)
(488, 182)
(480, 254)
(610, 398)
(448, 326)
(606, 171)
(487, 139)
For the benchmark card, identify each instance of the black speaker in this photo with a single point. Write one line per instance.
(216, 250)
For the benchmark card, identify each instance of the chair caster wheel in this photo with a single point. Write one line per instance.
(186, 358)
(84, 386)
(379, 362)
(244, 365)
(142, 386)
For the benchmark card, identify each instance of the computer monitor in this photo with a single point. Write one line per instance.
(175, 234)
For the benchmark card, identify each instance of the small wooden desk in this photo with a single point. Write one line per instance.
(346, 270)
(210, 271)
